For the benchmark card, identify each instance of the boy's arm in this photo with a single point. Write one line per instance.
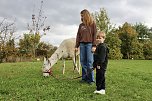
(102, 54)
(95, 61)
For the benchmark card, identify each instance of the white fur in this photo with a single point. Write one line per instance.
(45, 74)
(65, 50)
(46, 67)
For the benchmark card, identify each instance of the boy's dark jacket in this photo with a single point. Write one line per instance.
(101, 55)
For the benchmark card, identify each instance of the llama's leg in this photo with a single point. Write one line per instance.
(63, 71)
(79, 65)
(74, 64)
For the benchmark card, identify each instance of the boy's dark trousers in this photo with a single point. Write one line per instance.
(100, 78)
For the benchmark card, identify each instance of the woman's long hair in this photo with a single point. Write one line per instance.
(87, 19)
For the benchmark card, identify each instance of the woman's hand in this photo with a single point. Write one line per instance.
(76, 49)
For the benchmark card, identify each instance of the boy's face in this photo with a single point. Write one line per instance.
(100, 38)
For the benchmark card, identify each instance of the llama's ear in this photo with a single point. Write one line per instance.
(44, 59)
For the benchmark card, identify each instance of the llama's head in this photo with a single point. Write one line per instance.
(46, 67)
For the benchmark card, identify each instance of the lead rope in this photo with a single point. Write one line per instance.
(51, 74)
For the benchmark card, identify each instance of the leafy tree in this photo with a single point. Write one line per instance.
(44, 49)
(35, 38)
(102, 21)
(25, 44)
(145, 37)
(130, 46)
(150, 33)
(10, 51)
(147, 48)
(29, 44)
(143, 32)
(112, 40)
(137, 50)
(114, 44)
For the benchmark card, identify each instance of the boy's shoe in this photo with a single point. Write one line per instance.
(95, 91)
(102, 91)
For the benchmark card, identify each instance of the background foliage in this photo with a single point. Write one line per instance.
(125, 42)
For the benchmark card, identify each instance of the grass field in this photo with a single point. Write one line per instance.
(126, 80)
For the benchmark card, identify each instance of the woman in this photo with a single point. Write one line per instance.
(86, 37)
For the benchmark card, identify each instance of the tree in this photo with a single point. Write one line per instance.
(103, 22)
(7, 30)
(44, 49)
(130, 46)
(150, 33)
(36, 26)
(10, 51)
(114, 44)
(147, 48)
(112, 40)
(143, 32)
(28, 44)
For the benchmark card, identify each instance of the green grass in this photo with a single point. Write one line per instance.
(126, 80)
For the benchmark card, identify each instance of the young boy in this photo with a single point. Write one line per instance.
(100, 62)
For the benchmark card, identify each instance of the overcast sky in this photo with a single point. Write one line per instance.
(63, 16)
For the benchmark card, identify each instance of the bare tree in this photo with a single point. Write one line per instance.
(36, 26)
(7, 29)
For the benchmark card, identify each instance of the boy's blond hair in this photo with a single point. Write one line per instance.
(101, 33)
